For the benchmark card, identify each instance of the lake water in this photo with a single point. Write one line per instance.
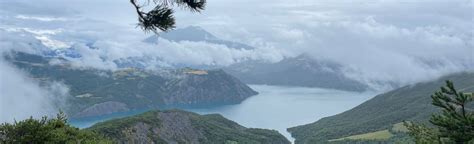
(275, 107)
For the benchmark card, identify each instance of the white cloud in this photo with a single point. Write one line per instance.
(40, 18)
(397, 41)
(21, 96)
(167, 53)
(382, 40)
(52, 43)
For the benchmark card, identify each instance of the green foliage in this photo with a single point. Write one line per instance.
(396, 135)
(409, 103)
(456, 121)
(454, 124)
(161, 17)
(422, 134)
(46, 130)
(378, 135)
(219, 129)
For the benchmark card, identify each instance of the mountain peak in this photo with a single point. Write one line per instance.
(190, 33)
(196, 34)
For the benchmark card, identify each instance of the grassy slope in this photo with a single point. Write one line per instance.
(378, 135)
(383, 135)
(411, 103)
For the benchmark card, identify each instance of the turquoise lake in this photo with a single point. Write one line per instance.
(275, 107)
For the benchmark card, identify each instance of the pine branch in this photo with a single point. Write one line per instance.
(455, 121)
(161, 16)
(192, 5)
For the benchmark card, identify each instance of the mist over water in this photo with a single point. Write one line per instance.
(275, 107)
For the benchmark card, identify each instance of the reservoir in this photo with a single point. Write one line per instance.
(275, 107)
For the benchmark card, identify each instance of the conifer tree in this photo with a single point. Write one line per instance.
(422, 134)
(456, 121)
(454, 124)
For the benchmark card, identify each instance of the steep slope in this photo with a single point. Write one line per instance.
(412, 103)
(96, 92)
(298, 71)
(175, 126)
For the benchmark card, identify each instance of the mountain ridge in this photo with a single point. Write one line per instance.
(95, 92)
(196, 34)
(297, 71)
(177, 126)
(410, 103)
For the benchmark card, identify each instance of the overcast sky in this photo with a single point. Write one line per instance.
(403, 41)
(373, 39)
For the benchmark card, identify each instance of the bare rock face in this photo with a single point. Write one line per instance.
(175, 127)
(138, 133)
(177, 124)
(102, 109)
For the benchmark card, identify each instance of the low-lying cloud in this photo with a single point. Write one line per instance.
(22, 96)
(375, 41)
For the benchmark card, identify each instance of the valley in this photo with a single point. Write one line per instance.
(102, 96)
(275, 107)
(237, 72)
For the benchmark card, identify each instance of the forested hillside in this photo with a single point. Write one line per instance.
(96, 92)
(176, 126)
(410, 103)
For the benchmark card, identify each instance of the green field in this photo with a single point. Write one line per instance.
(399, 127)
(378, 135)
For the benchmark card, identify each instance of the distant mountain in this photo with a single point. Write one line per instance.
(96, 92)
(176, 126)
(298, 71)
(293, 71)
(196, 34)
(411, 103)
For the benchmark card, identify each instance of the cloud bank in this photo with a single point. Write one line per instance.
(375, 40)
(390, 40)
(22, 96)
